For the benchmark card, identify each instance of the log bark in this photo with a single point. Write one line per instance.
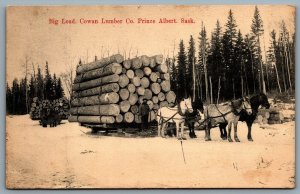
(123, 81)
(147, 71)
(136, 81)
(139, 73)
(113, 68)
(158, 59)
(140, 91)
(153, 77)
(100, 63)
(164, 104)
(165, 86)
(96, 110)
(92, 119)
(148, 94)
(127, 64)
(137, 119)
(155, 99)
(155, 88)
(136, 63)
(106, 98)
(145, 82)
(113, 87)
(134, 109)
(152, 116)
(131, 88)
(152, 62)
(133, 98)
(145, 60)
(163, 68)
(130, 73)
(95, 82)
(165, 76)
(119, 118)
(124, 106)
(171, 97)
(150, 104)
(161, 96)
(128, 117)
(155, 106)
(124, 94)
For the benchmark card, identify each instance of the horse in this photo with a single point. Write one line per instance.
(226, 113)
(175, 115)
(255, 101)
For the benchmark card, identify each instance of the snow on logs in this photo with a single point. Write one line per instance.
(111, 89)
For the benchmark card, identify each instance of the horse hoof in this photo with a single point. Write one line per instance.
(208, 139)
(230, 140)
(236, 140)
(250, 139)
(224, 138)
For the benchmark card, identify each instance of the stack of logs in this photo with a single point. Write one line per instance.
(110, 90)
(60, 106)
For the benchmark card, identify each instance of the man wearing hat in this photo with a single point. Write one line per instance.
(144, 110)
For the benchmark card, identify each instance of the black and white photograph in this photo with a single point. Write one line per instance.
(150, 96)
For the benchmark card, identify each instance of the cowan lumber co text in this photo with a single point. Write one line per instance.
(55, 21)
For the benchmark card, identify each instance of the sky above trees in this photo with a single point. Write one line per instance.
(30, 34)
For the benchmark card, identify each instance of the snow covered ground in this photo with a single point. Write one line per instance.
(69, 157)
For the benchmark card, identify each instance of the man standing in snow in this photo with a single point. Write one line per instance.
(144, 110)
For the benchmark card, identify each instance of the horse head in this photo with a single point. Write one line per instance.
(247, 105)
(263, 100)
(198, 105)
(186, 105)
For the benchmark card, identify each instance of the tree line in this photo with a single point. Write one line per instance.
(231, 64)
(20, 94)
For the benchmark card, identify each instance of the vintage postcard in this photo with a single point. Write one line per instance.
(156, 96)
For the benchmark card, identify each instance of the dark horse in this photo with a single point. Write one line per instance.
(191, 118)
(255, 102)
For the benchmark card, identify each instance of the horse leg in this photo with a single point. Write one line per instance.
(159, 127)
(177, 129)
(223, 132)
(229, 132)
(235, 132)
(193, 130)
(207, 133)
(182, 130)
(249, 124)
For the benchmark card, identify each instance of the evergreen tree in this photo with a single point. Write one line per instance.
(257, 30)
(48, 91)
(39, 84)
(229, 42)
(59, 90)
(9, 99)
(191, 66)
(215, 61)
(202, 61)
(182, 63)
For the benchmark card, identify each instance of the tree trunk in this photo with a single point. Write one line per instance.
(211, 95)
(107, 98)
(133, 98)
(147, 71)
(130, 73)
(113, 87)
(145, 82)
(139, 73)
(123, 81)
(165, 86)
(128, 117)
(96, 82)
(124, 106)
(100, 63)
(113, 68)
(97, 110)
(171, 97)
(92, 119)
(124, 94)
(131, 88)
(219, 89)
(155, 87)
